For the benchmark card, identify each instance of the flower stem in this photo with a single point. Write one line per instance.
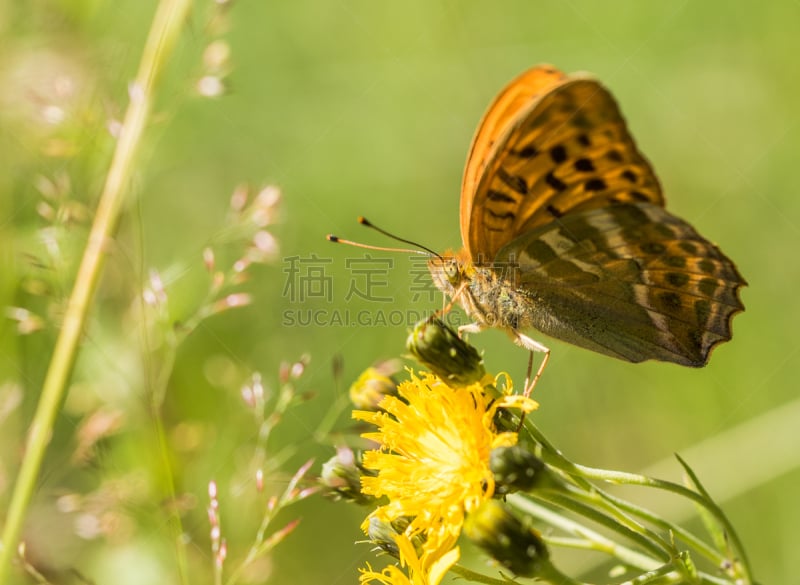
(547, 574)
(581, 475)
(476, 577)
(679, 532)
(598, 542)
(164, 31)
(623, 478)
(622, 526)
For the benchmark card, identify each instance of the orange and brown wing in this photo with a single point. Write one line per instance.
(631, 281)
(504, 111)
(549, 144)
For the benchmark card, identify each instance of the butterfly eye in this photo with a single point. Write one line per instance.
(451, 272)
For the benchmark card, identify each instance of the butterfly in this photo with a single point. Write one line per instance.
(564, 231)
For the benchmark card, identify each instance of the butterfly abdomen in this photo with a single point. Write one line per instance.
(494, 301)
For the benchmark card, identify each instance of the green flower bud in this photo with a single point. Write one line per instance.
(382, 534)
(512, 543)
(505, 419)
(515, 468)
(448, 356)
(341, 478)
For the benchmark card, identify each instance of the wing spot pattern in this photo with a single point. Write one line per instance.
(630, 176)
(552, 210)
(558, 153)
(515, 182)
(555, 182)
(595, 185)
(529, 151)
(677, 279)
(501, 216)
(500, 197)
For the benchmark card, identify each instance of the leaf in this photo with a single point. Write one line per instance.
(717, 533)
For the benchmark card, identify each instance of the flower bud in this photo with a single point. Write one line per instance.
(341, 478)
(515, 468)
(447, 355)
(512, 543)
(372, 385)
(382, 534)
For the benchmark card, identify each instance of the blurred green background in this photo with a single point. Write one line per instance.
(367, 108)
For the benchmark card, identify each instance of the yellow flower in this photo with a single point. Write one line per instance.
(429, 568)
(432, 465)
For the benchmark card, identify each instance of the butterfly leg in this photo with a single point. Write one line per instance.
(532, 346)
(470, 328)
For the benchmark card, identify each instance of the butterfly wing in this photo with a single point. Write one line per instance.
(628, 280)
(549, 145)
(506, 109)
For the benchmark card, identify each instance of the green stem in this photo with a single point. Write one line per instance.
(666, 575)
(257, 549)
(588, 539)
(164, 31)
(635, 533)
(681, 533)
(547, 573)
(476, 577)
(162, 369)
(599, 542)
(619, 477)
(581, 475)
(580, 496)
(176, 524)
(550, 574)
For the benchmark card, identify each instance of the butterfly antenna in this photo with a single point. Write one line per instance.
(363, 221)
(338, 240)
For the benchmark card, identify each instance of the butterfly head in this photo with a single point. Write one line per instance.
(451, 271)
